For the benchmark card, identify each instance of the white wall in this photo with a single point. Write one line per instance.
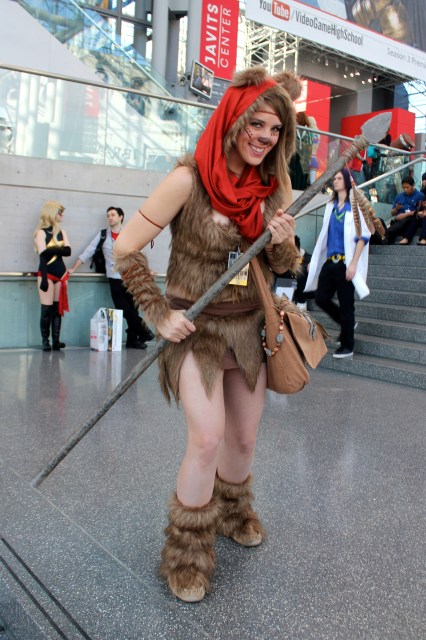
(86, 191)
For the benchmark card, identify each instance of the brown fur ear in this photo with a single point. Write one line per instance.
(255, 75)
(290, 82)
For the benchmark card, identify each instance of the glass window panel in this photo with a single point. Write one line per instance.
(100, 4)
(127, 34)
(129, 8)
(47, 118)
(138, 37)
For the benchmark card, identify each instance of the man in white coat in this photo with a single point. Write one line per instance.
(339, 263)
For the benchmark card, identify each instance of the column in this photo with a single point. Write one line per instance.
(194, 26)
(172, 51)
(140, 38)
(160, 23)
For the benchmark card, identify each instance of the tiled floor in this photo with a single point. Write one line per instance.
(340, 481)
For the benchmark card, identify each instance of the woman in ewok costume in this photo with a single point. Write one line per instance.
(216, 202)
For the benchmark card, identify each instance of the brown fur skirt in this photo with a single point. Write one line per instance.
(209, 344)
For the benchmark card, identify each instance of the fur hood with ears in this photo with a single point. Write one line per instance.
(258, 74)
(254, 75)
(290, 82)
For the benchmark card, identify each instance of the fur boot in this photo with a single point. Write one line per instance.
(237, 518)
(188, 557)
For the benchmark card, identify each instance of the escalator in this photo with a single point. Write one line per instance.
(91, 38)
(106, 126)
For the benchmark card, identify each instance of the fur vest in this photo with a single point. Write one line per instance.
(198, 257)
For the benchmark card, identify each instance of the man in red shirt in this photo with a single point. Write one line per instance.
(138, 333)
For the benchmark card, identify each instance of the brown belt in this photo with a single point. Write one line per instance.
(220, 309)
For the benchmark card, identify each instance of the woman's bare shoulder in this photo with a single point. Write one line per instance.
(170, 195)
(181, 177)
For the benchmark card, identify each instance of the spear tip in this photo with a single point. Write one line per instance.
(376, 127)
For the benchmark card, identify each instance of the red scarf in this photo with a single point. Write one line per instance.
(240, 199)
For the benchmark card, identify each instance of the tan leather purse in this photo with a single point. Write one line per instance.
(291, 339)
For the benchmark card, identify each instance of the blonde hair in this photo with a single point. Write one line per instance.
(48, 214)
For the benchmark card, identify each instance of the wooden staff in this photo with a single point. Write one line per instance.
(372, 131)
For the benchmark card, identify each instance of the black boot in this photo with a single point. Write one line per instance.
(56, 328)
(133, 342)
(46, 315)
(145, 334)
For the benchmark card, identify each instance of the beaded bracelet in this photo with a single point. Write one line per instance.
(280, 337)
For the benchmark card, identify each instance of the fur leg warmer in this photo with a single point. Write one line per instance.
(237, 518)
(188, 557)
(137, 277)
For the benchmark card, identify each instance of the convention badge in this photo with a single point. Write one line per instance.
(241, 279)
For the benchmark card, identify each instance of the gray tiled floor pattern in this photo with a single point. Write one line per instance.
(340, 483)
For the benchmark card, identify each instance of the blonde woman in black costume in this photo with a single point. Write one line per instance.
(52, 244)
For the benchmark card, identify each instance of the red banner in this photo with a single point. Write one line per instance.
(219, 31)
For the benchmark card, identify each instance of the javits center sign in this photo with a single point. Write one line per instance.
(219, 32)
(352, 31)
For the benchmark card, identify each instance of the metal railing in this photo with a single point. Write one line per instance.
(61, 117)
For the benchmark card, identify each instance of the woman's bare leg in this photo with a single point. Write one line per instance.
(51, 295)
(205, 418)
(46, 297)
(243, 411)
(56, 291)
(233, 485)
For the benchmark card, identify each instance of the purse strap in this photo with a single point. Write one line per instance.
(261, 284)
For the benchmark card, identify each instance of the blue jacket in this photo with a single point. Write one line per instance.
(410, 202)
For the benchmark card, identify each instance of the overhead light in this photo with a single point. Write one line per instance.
(375, 79)
(344, 75)
(326, 62)
(351, 74)
(369, 79)
(357, 73)
(363, 81)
